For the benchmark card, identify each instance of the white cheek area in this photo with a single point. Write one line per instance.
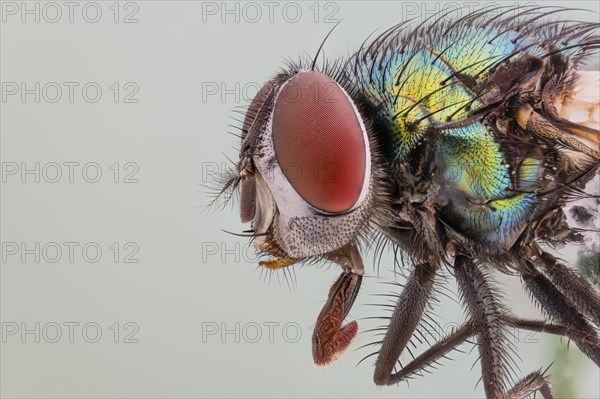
(291, 206)
(288, 201)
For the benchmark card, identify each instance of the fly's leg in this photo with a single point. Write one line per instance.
(587, 337)
(542, 127)
(535, 381)
(485, 312)
(488, 322)
(404, 322)
(580, 293)
(557, 306)
(407, 314)
(330, 338)
(435, 352)
(413, 302)
(489, 319)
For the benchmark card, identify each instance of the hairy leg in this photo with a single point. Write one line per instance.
(405, 320)
(587, 337)
(528, 385)
(488, 321)
(558, 307)
(485, 312)
(580, 293)
(436, 351)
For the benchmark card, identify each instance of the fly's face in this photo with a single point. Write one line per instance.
(305, 167)
(306, 184)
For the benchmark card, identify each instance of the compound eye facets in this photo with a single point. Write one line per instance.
(319, 142)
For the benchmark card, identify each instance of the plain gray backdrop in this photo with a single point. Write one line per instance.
(119, 284)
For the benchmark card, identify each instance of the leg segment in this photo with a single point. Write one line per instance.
(485, 312)
(580, 293)
(586, 337)
(557, 306)
(490, 319)
(409, 310)
(436, 351)
(542, 127)
(528, 385)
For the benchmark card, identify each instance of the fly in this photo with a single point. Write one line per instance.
(457, 141)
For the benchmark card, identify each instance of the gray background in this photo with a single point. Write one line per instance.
(191, 278)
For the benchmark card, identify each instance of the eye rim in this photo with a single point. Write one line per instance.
(367, 182)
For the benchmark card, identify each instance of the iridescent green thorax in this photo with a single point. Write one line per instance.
(430, 88)
(476, 180)
(472, 162)
(427, 82)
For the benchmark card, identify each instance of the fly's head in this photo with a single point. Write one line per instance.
(307, 182)
(305, 168)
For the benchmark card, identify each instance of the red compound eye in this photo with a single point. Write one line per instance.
(319, 142)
